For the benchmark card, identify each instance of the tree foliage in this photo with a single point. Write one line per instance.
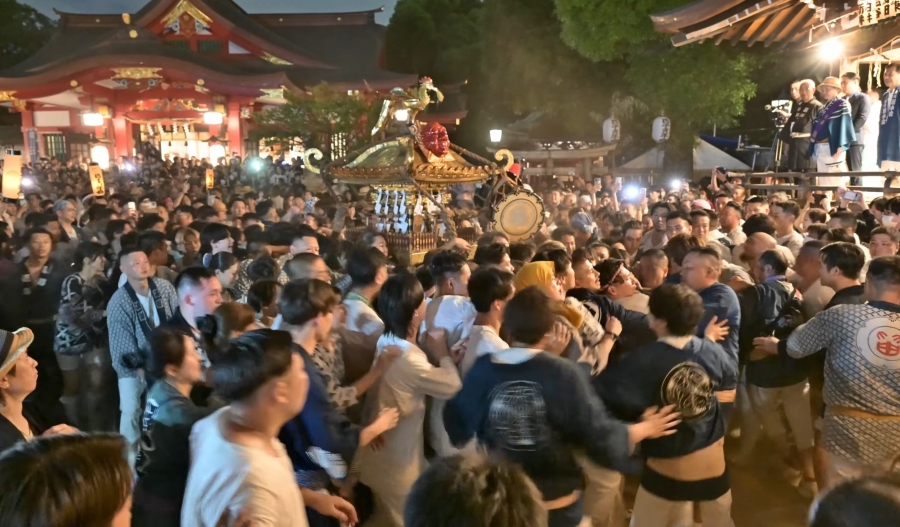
(23, 31)
(313, 118)
(438, 38)
(696, 85)
(609, 30)
(528, 68)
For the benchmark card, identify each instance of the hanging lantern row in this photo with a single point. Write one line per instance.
(661, 129)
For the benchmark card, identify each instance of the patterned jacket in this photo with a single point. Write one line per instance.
(862, 372)
(125, 333)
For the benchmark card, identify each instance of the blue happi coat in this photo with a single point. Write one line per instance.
(835, 122)
(889, 129)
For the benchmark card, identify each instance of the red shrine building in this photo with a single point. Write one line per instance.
(183, 75)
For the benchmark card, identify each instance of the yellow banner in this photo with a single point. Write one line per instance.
(210, 178)
(97, 183)
(12, 176)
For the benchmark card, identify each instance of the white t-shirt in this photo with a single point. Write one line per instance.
(483, 340)
(226, 477)
(362, 318)
(149, 308)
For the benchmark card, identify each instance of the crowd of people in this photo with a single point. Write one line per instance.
(176, 355)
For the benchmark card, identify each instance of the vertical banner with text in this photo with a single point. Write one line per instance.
(98, 185)
(210, 178)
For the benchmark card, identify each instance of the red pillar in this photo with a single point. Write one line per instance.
(235, 134)
(121, 136)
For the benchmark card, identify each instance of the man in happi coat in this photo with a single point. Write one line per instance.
(832, 133)
(889, 128)
(800, 126)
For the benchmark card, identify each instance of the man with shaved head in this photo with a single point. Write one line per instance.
(799, 126)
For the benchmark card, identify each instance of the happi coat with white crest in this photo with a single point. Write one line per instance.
(889, 128)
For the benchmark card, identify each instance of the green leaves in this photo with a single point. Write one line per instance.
(314, 118)
(608, 29)
(438, 38)
(23, 31)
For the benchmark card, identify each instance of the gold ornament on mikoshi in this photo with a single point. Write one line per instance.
(12, 175)
(210, 178)
(98, 185)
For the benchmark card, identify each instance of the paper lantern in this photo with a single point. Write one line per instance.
(210, 178)
(611, 130)
(92, 119)
(216, 152)
(98, 185)
(100, 155)
(661, 129)
(12, 176)
(213, 118)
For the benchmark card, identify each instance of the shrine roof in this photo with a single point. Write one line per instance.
(756, 21)
(69, 48)
(340, 48)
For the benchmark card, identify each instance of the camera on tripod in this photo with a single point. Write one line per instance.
(781, 110)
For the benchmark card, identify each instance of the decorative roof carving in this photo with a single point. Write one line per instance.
(274, 60)
(186, 7)
(136, 73)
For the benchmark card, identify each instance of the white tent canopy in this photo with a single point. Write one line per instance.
(708, 157)
(650, 160)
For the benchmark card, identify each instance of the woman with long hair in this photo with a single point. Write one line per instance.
(187, 243)
(225, 266)
(80, 342)
(392, 470)
(228, 321)
(164, 455)
(263, 299)
(215, 238)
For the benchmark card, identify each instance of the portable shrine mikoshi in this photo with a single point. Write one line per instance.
(413, 175)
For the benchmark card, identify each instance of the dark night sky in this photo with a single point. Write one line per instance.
(251, 6)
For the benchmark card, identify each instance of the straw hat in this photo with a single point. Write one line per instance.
(12, 345)
(830, 82)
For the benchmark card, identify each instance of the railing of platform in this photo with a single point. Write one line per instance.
(805, 181)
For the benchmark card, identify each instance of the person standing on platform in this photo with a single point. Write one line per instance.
(784, 135)
(832, 133)
(860, 108)
(800, 126)
(870, 137)
(889, 129)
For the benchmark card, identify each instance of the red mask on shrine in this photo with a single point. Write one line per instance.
(435, 139)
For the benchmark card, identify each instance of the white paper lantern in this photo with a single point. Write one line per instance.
(216, 152)
(100, 155)
(611, 130)
(661, 128)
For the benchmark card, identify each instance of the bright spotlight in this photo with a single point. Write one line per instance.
(402, 115)
(631, 192)
(27, 182)
(831, 50)
(676, 184)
